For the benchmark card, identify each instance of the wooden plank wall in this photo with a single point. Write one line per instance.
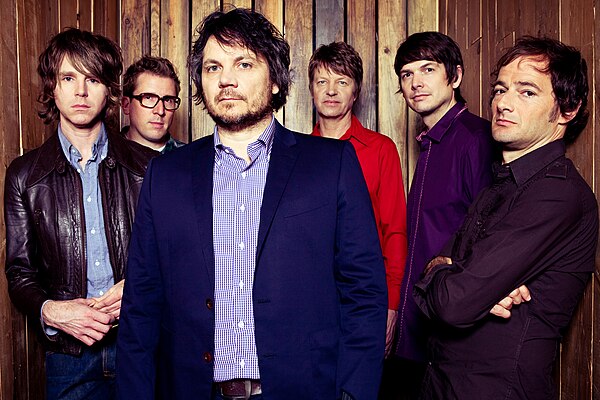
(375, 28)
(483, 29)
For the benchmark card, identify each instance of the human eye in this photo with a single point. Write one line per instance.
(343, 83)
(93, 80)
(67, 78)
(321, 82)
(211, 68)
(528, 93)
(149, 96)
(428, 69)
(405, 75)
(498, 90)
(245, 65)
(170, 101)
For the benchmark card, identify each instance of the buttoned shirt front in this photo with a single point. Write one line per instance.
(454, 164)
(537, 225)
(238, 189)
(99, 270)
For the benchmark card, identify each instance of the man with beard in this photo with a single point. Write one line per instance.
(268, 279)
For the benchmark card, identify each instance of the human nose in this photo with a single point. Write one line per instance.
(81, 89)
(416, 81)
(331, 89)
(227, 78)
(502, 102)
(159, 108)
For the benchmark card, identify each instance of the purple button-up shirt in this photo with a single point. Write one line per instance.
(237, 197)
(455, 163)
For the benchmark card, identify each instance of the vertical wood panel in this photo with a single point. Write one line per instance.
(155, 28)
(298, 32)
(175, 45)
(201, 123)
(84, 15)
(239, 4)
(393, 110)
(68, 14)
(273, 11)
(361, 35)
(135, 30)
(329, 21)
(105, 19)
(422, 15)
(9, 125)
(577, 29)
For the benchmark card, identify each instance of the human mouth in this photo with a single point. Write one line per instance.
(81, 106)
(420, 97)
(503, 122)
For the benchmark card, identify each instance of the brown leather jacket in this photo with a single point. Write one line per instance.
(45, 226)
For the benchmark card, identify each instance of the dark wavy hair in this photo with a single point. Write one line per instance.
(154, 65)
(568, 74)
(433, 46)
(90, 54)
(253, 31)
(340, 58)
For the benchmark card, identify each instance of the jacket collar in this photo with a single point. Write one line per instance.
(50, 157)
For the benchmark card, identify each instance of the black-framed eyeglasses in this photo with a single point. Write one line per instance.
(150, 100)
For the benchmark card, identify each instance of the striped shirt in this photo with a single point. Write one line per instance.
(238, 189)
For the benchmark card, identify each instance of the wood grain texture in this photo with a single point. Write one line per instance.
(175, 45)
(135, 30)
(155, 27)
(10, 149)
(273, 11)
(577, 29)
(361, 35)
(105, 19)
(201, 123)
(393, 111)
(298, 32)
(421, 15)
(68, 14)
(329, 21)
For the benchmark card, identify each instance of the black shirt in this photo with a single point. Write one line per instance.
(537, 225)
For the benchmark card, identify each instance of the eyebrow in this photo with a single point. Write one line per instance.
(519, 84)
(427, 64)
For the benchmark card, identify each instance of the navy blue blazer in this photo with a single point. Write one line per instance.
(319, 295)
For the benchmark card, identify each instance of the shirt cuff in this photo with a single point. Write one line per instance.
(48, 330)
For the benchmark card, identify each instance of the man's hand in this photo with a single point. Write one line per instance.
(517, 296)
(392, 317)
(437, 261)
(110, 302)
(78, 319)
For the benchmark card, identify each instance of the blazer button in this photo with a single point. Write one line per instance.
(207, 357)
(209, 304)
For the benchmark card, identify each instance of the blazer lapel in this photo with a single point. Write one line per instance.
(202, 164)
(283, 158)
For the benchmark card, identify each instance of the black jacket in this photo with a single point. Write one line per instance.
(45, 225)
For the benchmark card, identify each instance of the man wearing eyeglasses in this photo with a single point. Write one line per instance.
(150, 90)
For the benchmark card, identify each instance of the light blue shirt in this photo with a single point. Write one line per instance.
(99, 270)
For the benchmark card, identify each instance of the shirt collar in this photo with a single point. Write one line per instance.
(441, 127)
(265, 138)
(525, 167)
(100, 146)
(356, 131)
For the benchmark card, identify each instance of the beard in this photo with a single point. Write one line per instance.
(257, 111)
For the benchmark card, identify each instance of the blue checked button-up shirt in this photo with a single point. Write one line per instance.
(237, 198)
(99, 270)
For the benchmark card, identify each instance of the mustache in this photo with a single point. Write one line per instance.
(229, 93)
